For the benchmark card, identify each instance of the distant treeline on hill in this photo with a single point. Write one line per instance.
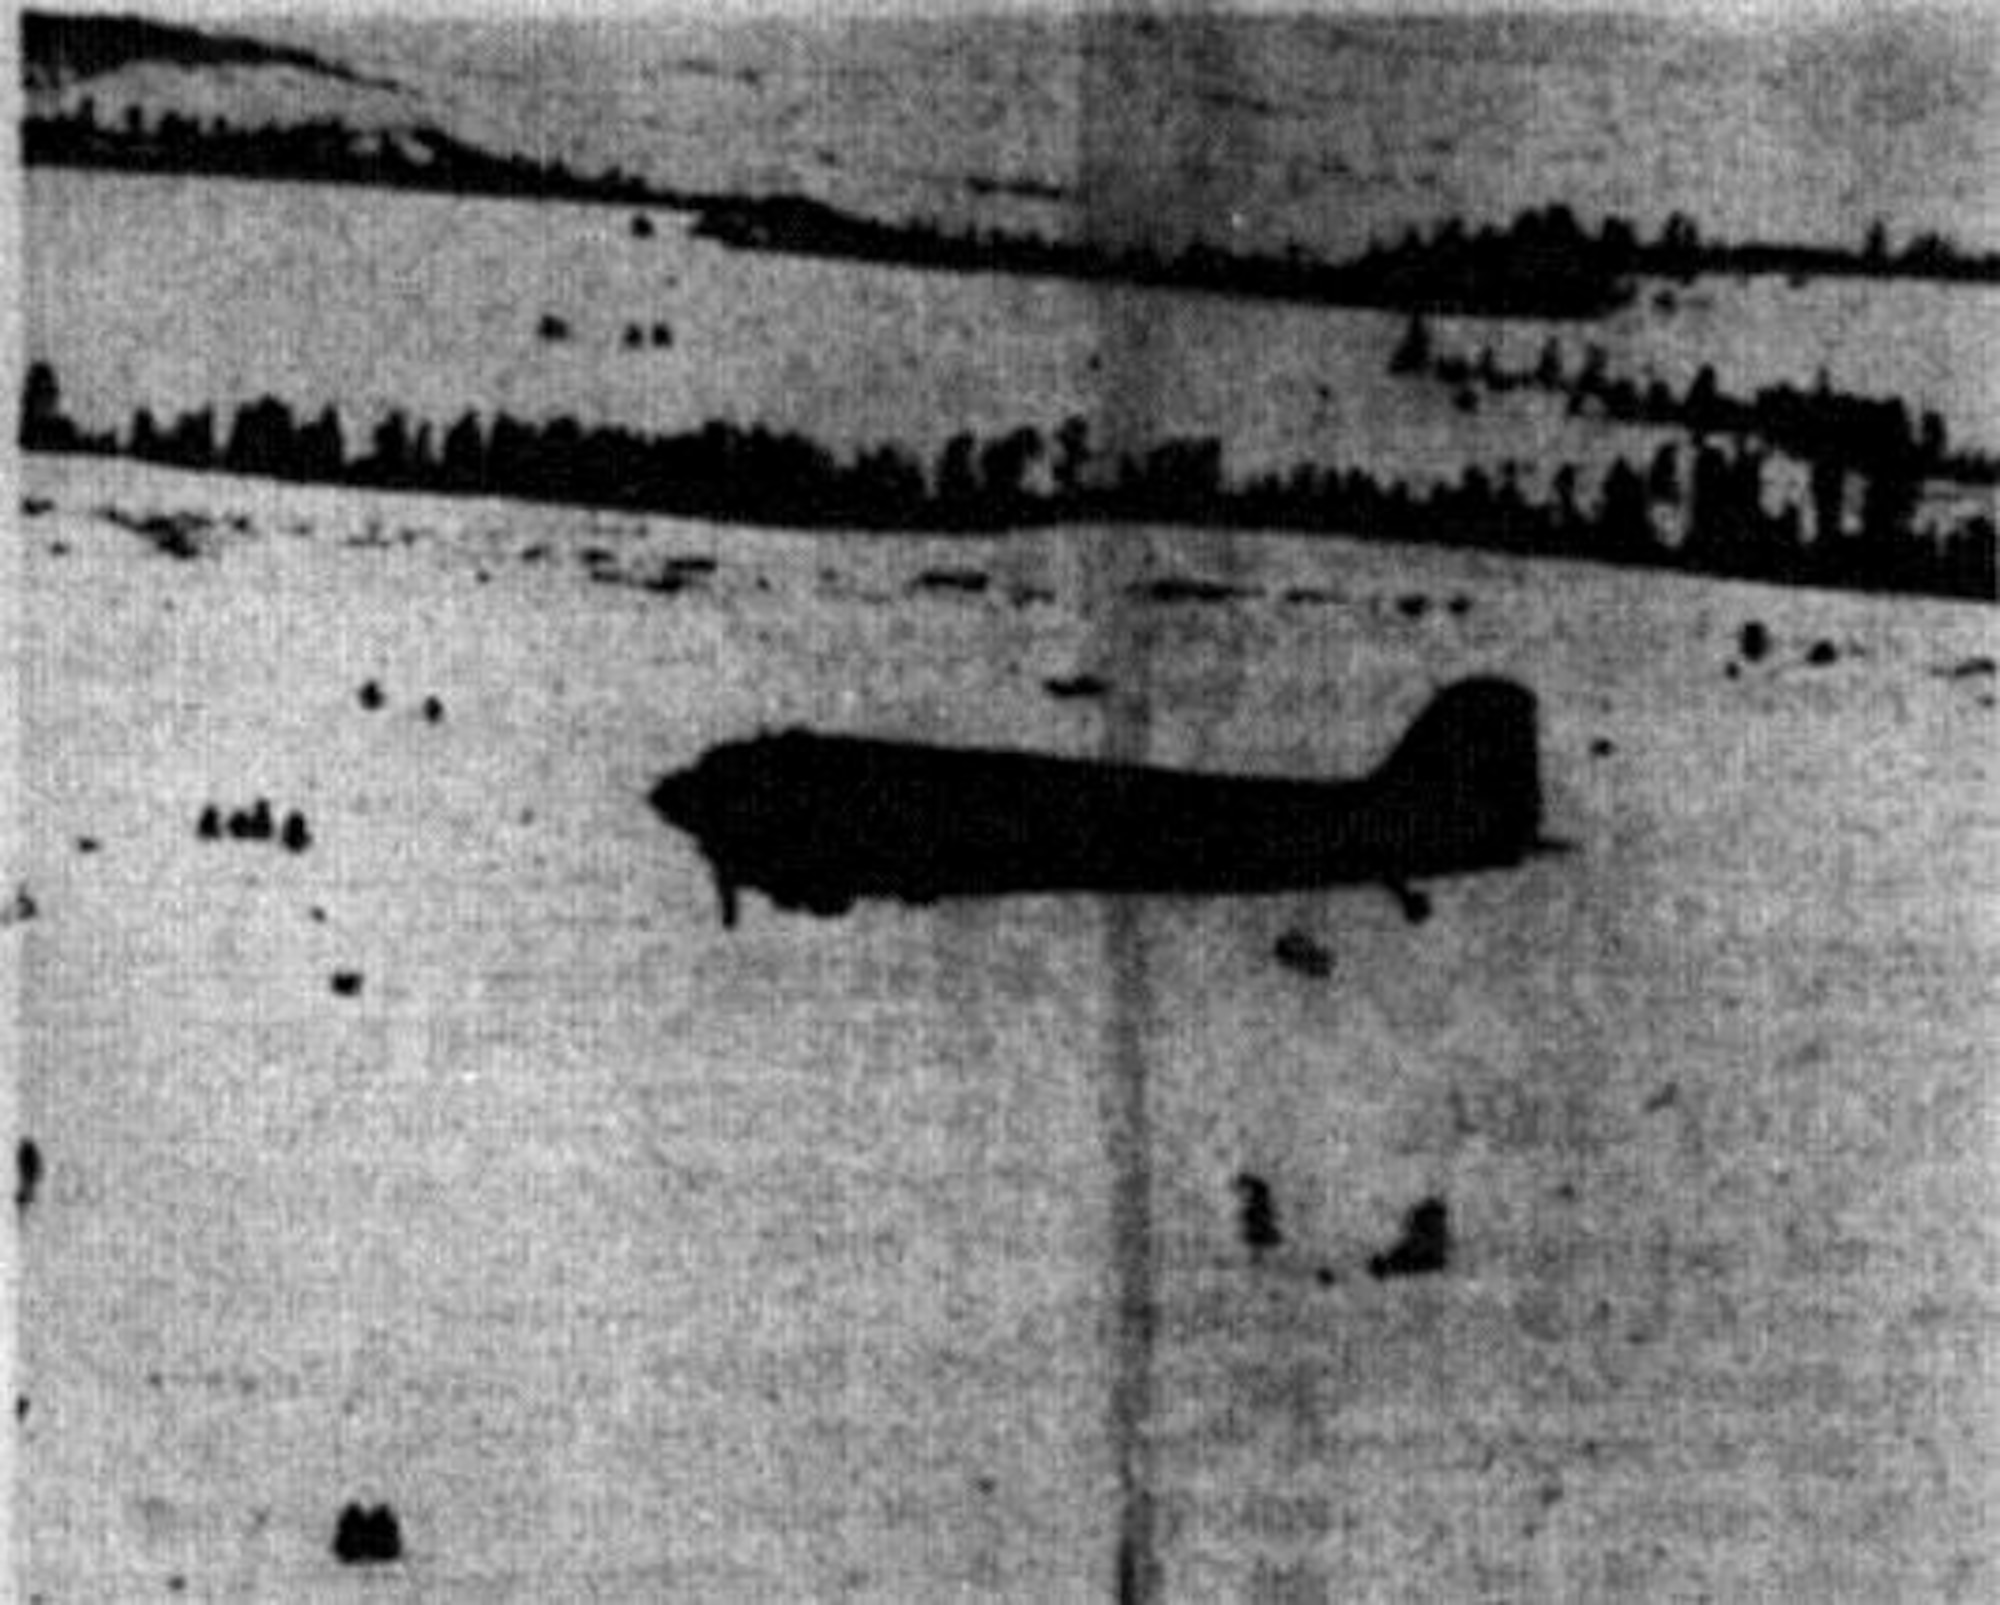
(1708, 516)
(1544, 264)
(319, 151)
(57, 49)
(1872, 435)
(1540, 266)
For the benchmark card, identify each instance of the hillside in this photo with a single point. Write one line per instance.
(63, 48)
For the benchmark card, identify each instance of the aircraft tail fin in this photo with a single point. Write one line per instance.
(1470, 765)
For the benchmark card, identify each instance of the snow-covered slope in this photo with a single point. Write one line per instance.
(625, 1257)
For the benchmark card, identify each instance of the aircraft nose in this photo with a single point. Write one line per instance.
(676, 798)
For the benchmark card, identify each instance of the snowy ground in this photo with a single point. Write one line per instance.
(630, 1258)
(177, 294)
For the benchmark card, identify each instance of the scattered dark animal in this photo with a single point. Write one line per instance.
(433, 710)
(818, 822)
(371, 696)
(1257, 1216)
(642, 227)
(35, 506)
(968, 582)
(1425, 1247)
(347, 983)
(1754, 642)
(209, 826)
(662, 335)
(1075, 686)
(1034, 189)
(1413, 606)
(27, 1173)
(367, 1537)
(20, 908)
(173, 534)
(252, 824)
(1176, 588)
(295, 837)
(1822, 653)
(1300, 954)
(1969, 669)
(634, 336)
(87, 844)
(552, 327)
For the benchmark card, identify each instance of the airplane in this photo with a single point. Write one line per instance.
(818, 822)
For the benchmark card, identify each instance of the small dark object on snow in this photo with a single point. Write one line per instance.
(1257, 1217)
(1425, 1247)
(368, 1537)
(1299, 953)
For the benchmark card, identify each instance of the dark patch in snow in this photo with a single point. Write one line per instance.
(1425, 1247)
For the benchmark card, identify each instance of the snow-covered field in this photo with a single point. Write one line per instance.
(627, 1257)
(177, 294)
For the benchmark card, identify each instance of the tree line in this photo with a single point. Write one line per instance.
(1706, 513)
(1545, 263)
(321, 150)
(1872, 435)
(1542, 265)
(57, 47)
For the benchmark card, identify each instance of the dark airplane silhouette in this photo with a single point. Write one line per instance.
(817, 822)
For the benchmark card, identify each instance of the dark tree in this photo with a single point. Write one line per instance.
(147, 441)
(464, 464)
(1413, 352)
(957, 476)
(43, 426)
(388, 462)
(1072, 456)
(1626, 521)
(1829, 497)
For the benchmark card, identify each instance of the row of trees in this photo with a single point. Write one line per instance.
(1872, 434)
(1541, 265)
(1708, 515)
(1544, 264)
(319, 151)
(57, 47)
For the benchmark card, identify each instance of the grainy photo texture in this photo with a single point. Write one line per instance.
(1049, 802)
